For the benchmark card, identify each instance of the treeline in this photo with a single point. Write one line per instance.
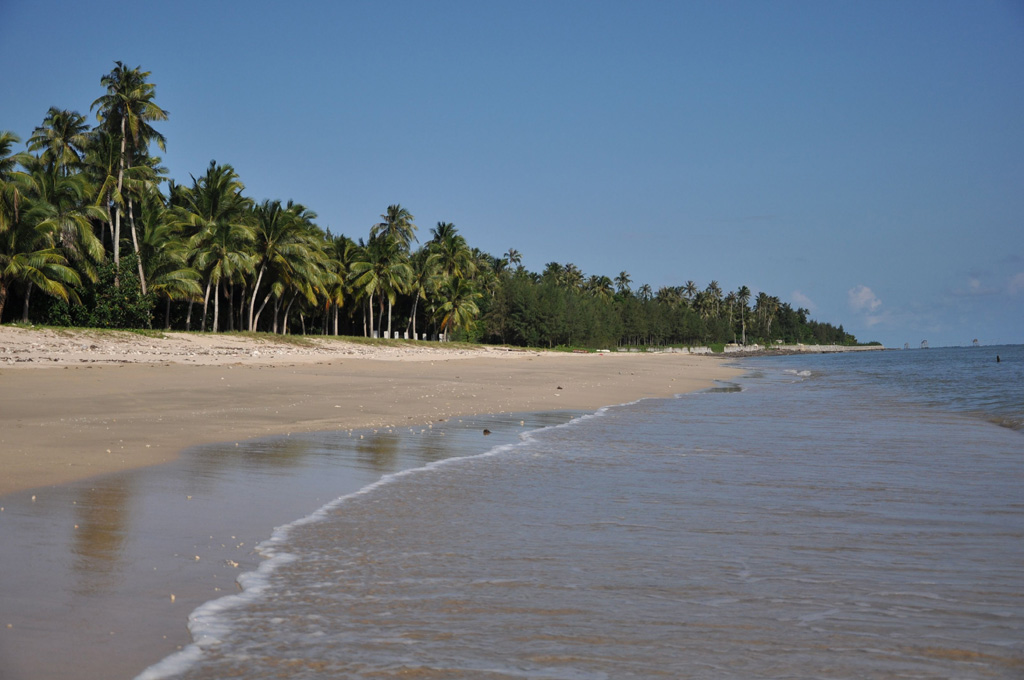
(93, 233)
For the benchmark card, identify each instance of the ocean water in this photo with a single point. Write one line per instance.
(831, 516)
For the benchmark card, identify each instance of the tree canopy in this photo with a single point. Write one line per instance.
(206, 256)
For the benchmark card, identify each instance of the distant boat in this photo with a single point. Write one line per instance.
(924, 344)
(975, 343)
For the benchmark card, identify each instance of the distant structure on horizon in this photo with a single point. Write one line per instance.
(975, 343)
(924, 344)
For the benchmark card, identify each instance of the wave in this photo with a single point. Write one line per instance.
(208, 624)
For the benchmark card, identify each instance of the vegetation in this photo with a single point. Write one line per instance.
(205, 256)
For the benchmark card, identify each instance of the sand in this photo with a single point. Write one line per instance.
(78, 404)
(103, 518)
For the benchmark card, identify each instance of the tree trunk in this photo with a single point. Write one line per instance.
(389, 317)
(188, 317)
(277, 310)
(302, 322)
(256, 319)
(337, 311)
(3, 298)
(371, 315)
(255, 290)
(412, 319)
(135, 244)
(230, 290)
(216, 305)
(287, 313)
(120, 183)
(206, 302)
(167, 315)
(24, 309)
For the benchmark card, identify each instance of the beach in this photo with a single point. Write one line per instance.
(103, 561)
(78, 404)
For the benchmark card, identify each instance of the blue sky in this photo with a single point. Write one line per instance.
(862, 159)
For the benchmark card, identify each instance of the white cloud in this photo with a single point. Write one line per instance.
(863, 299)
(802, 300)
(1016, 283)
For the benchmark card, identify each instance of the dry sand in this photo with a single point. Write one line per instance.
(74, 404)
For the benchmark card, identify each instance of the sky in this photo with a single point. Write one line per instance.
(863, 160)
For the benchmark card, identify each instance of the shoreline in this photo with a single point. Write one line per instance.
(107, 503)
(75, 418)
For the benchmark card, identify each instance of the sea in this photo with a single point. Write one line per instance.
(856, 515)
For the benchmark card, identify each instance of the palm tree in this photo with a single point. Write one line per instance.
(59, 205)
(10, 179)
(765, 308)
(730, 307)
(459, 308)
(703, 304)
(600, 287)
(743, 297)
(669, 295)
(215, 215)
(645, 293)
(423, 281)
(63, 138)
(339, 253)
(714, 292)
(377, 270)
(397, 225)
(514, 257)
(126, 111)
(450, 254)
(572, 277)
(690, 291)
(281, 242)
(622, 282)
(166, 251)
(28, 254)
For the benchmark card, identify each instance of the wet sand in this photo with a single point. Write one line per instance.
(96, 540)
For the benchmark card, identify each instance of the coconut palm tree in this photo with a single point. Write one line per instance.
(215, 216)
(423, 281)
(281, 242)
(690, 291)
(28, 254)
(11, 179)
(376, 270)
(63, 138)
(600, 287)
(743, 298)
(59, 204)
(514, 257)
(572, 277)
(459, 308)
(339, 251)
(450, 256)
(397, 225)
(126, 111)
(622, 282)
(170, 276)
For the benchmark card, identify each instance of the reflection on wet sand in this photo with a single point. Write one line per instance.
(87, 570)
(103, 519)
